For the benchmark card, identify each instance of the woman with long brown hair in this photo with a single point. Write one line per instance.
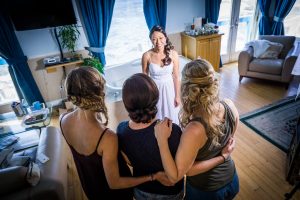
(137, 140)
(95, 147)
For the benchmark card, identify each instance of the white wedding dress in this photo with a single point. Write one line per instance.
(163, 78)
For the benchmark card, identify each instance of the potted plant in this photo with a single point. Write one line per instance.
(94, 62)
(69, 35)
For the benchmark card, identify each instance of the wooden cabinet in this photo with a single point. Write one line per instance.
(205, 46)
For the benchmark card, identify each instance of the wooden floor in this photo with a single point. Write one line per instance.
(260, 165)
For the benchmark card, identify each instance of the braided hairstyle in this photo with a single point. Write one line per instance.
(85, 89)
(168, 47)
(140, 96)
(199, 94)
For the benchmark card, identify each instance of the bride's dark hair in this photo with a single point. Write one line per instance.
(168, 47)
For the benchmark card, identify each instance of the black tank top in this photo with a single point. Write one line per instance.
(141, 148)
(92, 177)
(222, 174)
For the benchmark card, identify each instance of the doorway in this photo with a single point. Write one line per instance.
(236, 26)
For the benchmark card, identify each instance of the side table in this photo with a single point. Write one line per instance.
(13, 131)
(15, 125)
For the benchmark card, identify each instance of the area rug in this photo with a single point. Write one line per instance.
(276, 122)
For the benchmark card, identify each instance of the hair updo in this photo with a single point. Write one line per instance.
(85, 89)
(199, 95)
(168, 47)
(140, 96)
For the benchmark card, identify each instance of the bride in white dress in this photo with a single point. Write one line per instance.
(161, 63)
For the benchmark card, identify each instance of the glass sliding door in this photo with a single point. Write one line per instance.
(236, 26)
(224, 22)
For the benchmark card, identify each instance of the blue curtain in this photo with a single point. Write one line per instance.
(212, 8)
(265, 24)
(282, 9)
(155, 12)
(11, 51)
(97, 15)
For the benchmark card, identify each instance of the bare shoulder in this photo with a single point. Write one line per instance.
(146, 55)
(109, 143)
(194, 128)
(63, 117)
(232, 107)
(110, 135)
(195, 131)
(66, 120)
(174, 53)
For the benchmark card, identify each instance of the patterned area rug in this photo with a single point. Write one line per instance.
(276, 122)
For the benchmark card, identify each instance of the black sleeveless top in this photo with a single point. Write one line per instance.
(141, 148)
(92, 176)
(222, 174)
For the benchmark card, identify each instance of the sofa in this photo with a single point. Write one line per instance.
(268, 68)
(53, 173)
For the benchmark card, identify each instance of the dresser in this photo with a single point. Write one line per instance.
(207, 47)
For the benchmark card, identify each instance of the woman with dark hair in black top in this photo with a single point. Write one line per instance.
(94, 147)
(137, 140)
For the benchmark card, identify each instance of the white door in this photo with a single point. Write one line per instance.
(235, 21)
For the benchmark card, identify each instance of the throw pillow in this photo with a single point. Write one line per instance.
(7, 141)
(5, 157)
(19, 161)
(273, 51)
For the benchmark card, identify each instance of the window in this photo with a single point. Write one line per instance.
(291, 22)
(7, 89)
(235, 21)
(128, 37)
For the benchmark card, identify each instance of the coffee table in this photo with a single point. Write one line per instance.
(13, 130)
(11, 124)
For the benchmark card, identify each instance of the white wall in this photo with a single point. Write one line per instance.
(180, 12)
(37, 44)
(41, 42)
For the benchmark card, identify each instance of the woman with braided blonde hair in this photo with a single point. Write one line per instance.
(94, 147)
(207, 139)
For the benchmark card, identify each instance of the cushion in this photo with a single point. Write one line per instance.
(15, 179)
(272, 51)
(19, 161)
(5, 157)
(267, 66)
(7, 141)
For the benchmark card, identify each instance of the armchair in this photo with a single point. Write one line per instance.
(53, 177)
(270, 69)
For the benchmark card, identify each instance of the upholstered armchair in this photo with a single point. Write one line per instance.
(275, 69)
(53, 173)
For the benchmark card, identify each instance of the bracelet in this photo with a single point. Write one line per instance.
(151, 176)
(223, 158)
